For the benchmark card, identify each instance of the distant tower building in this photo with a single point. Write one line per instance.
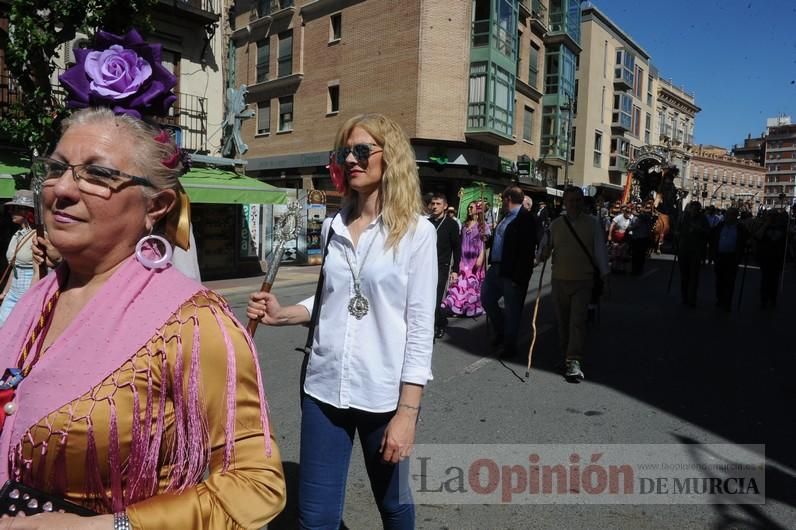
(780, 161)
(752, 149)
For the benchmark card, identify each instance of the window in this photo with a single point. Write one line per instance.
(501, 115)
(263, 8)
(286, 113)
(625, 67)
(598, 148)
(647, 128)
(335, 27)
(636, 121)
(504, 30)
(333, 105)
(649, 90)
(623, 108)
(476, 109)
(264, 117)
(572, 146)
(286, 53)
(602, 107)
(638, 89)
(533, 66)
(527, 124)
(263, 58)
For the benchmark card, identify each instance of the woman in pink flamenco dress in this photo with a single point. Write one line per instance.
(464, 296)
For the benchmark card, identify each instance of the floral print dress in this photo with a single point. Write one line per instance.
(464, 296)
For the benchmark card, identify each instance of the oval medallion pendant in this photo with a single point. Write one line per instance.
(358, 306)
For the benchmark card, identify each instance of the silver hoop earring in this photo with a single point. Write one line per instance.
(148, 246)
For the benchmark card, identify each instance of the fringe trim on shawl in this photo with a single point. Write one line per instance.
(188, 453)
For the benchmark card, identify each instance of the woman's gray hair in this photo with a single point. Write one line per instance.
(150, 152)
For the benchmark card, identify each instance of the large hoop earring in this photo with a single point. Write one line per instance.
(151, 241)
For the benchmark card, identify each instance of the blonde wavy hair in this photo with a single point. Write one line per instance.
(400, 202)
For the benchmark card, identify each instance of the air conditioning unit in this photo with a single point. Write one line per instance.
(78, 43)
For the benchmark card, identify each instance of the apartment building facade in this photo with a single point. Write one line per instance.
(675, 120)
(623, 105)
(780, 160)
(723, 180)
(465, 80)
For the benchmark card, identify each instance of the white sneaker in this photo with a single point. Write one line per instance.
(573, 373)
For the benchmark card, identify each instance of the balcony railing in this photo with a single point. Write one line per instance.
(539, 11)
(189, 113)
(199, 10)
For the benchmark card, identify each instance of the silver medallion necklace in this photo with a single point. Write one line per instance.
(358, 305)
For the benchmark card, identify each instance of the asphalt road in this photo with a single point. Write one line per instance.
(657, 373)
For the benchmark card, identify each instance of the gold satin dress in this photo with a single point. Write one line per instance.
(53, 453)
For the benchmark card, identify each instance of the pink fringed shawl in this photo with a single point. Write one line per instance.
(123, 316)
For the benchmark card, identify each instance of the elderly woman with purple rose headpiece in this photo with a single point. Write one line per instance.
(131, 390)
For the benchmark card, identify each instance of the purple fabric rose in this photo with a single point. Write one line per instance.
(116, 72)
(123, 73)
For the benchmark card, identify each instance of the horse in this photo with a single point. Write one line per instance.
(660, 230)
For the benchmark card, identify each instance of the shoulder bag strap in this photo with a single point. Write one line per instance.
(577, 238)
(316, 306)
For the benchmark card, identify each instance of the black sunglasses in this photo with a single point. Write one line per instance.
(362, 153)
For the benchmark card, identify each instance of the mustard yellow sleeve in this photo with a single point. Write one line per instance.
(252, 491)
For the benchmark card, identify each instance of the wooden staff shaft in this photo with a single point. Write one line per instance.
(268, 282)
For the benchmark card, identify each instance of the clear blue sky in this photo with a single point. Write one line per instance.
(737, 56)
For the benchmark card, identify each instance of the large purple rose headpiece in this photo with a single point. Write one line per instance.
(123, 73)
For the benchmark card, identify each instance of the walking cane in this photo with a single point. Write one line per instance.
(743, 276)
(533, 321)
(285, 231)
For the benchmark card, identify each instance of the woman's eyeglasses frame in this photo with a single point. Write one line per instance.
(110, 181)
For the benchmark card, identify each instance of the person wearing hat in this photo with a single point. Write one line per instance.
(20, 272)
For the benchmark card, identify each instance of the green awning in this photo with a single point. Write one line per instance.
(11, 164)
(216, 186)
(7, 187)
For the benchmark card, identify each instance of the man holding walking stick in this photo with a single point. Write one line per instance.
(580, 261)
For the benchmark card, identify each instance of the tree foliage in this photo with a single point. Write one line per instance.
(36, 31)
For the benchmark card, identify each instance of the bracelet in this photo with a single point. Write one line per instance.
(121, 521)
(410, 407)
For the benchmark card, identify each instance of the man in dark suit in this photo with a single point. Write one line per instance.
(511, 265)
(449, 252)
(727, 244)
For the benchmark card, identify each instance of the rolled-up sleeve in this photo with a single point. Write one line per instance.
(420, 299)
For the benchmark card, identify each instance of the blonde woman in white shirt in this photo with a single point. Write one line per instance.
(371, 350)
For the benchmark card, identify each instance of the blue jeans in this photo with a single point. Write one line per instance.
(327, 438)
(506, 321)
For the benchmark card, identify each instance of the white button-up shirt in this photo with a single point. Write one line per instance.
(362, 363)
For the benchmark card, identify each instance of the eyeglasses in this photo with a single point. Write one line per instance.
(362, 152)
(90, 178)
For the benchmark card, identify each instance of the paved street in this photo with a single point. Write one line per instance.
(658, 372)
